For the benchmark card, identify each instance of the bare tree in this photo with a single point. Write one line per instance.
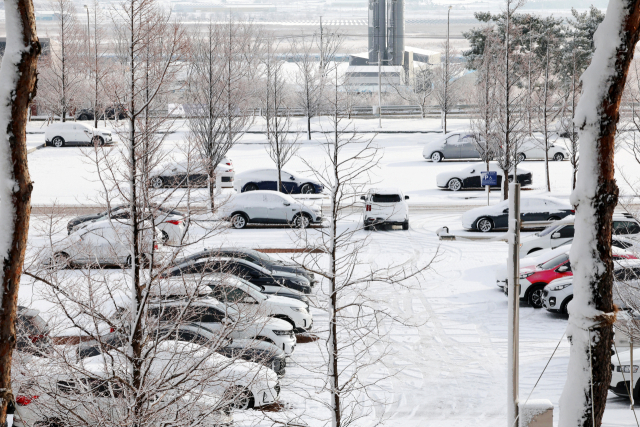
(62, 80)
(592, 312)
(446, 91)
(98, 63)
(419, 89)
(281, 144)
(18, 77)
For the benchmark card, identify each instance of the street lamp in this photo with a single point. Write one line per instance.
(88, 33)
(446, 78)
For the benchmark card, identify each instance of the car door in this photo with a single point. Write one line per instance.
(534, 210)
(257, 207)
(90, 247)
(83, 134)
(289, 183)
(468, 148)
(561, 235)
(451, 147)
(269, 179)
(501, 218)
(278, 208)
(473, 179)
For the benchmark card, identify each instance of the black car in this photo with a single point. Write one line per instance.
(270, 280)
(470, 177)
(251, 255)
(87, 113)
(32, 331)
(257, 351)
(116, 212)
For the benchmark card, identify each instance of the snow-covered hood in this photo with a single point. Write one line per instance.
(285, 302)
(432, 146)
(102, 131)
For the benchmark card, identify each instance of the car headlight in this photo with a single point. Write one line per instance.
(299, 309)
(560, 287)
(277, 332)
(627, 369)
(525, 275)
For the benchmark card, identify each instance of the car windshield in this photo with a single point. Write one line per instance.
(554, 262)
(259, 255)
(549, 229)
(385, 198)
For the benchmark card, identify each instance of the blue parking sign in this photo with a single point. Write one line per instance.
(489, 178)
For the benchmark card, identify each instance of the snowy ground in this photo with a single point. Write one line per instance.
(452, 369)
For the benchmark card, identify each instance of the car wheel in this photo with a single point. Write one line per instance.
(97, 140)
(57, 142)
(157, 182)
(241, 399)
(60, 259)
(307, 189)
(368, 228)
(238, 221)
(250, 187)
(485, 225)
(558, 157)
(455, 184)
(535, 296)
(301, 221)
(436, 157)
(521, 157)
(533, 250)
(405, 225)
(553, 218)
(83, 117)
(564, 308)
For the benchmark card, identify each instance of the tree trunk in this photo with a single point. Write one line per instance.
(20, 68)
(309, 127)
(592, 310)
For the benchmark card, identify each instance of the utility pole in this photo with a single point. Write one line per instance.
(379, 87)
(88, 37)
(321, 46)
(631, 387)
(514, 304)
(445, 103)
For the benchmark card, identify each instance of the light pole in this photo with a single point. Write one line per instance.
(445, 101)
(88, 37)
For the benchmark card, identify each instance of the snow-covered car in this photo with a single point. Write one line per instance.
(488, 218)
(92, 392)
(621, 374)
(535, 258)
(73, 133)
(469, 177)
(385, 206)
(32, 331)
(271, 281)
(103, 242)
(251, 255)
(222, 318)
(246, 296)
(192, 174)
(452, 145)
(267, 179)
(269, 207)
(533, 149)
(170, 222)
(626, 271)
(562, 231)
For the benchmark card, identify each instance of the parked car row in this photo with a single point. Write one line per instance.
(75, 134)
(463, 145)
(470, 177)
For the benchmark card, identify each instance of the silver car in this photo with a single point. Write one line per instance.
(452, 145)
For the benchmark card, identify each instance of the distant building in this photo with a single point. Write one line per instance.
(45, 43)
(364, 78)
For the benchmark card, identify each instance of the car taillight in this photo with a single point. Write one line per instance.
(573, 211)
(228, 163)
(155, 246)
(112, 330)
(174, 222)
(25, 400)
(368, 208)
(35, 338)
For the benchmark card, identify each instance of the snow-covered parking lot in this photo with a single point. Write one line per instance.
(449, 367)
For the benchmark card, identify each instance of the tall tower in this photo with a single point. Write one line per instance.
(386, 31)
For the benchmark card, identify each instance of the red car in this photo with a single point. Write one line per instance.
(533, 278)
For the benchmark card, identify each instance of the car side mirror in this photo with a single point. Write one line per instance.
(286, 203)
(406, 197)
(292, 178)
(555, 236)
(362, 198)
(506, 210)
(473, 171)
(562, 269)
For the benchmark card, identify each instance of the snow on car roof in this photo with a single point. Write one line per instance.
(385, 190)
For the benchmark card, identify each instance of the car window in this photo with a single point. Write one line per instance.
(211, 315)
(566, 232)
(453, 139)
(273, 199)
(625, 227)
(554, 262)
(228, 293)
(549, 229)
(620, 244)
(385, 198)
(625, 274)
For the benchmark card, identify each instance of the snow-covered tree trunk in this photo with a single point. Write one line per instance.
(596, 194)
(18, 82)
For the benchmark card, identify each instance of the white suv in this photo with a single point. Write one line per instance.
(385, 206)
(562, 231)
(73, 133)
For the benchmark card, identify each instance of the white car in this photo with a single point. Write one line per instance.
(562, 231)
(385, 206)
(269, 207)
(170, 222)
(192, 174)
(533, 149)
(539, 208)
(267, 179)
(469, 177)
(72, 133)
(558, 294)
(452, 145)
(219, 317)
(106, 242)
(621, 373)
(247, 296)
(533, 259)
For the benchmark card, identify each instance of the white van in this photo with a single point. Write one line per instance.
(385, 206)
